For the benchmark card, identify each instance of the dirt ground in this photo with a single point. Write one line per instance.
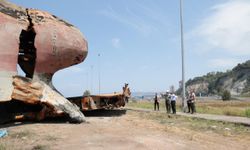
(129, 131)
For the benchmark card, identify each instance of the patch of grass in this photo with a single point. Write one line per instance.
(209, 110)
(21, 134)
(246, 94)
(142, 104)
(233, 111)
(195, 124)
(247, 112)
(40, 147)
(219, 127)
(146, 104)
(2, 147)
(218, 107)
(226, 110)
(51, 138)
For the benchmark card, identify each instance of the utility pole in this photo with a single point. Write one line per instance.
(87, 80)
(91, 80)
(184, 103)
(99, 73)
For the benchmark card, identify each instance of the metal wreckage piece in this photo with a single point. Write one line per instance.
(40, 44)
(103, 101)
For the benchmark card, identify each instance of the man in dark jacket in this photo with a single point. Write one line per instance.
(156, 102)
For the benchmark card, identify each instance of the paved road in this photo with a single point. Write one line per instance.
(231, 119)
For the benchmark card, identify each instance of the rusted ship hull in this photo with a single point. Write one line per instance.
(40, 44)
(104, 101)
(10, 30)
(94, 102)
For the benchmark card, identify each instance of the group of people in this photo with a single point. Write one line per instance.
(170, 102)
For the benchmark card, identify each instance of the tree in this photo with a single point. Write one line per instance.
(86, 93)
(172, 89)
(226, 95)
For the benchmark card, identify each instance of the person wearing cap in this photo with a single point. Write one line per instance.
(167, 97)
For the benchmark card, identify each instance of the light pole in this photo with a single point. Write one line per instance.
(91, 80)
(184, 104)
(87, 80)
(99, 73)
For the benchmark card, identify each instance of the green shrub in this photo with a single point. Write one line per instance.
(2, 147)
(40, 147)
(247, 112)
(86, 93)
(226, 95)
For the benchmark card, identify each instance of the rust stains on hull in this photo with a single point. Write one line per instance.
(41, 44)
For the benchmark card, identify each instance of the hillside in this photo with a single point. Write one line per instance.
(237, 81)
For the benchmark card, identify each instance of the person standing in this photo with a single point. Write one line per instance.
(189, 101)
(167, 102)
(156, 102)
(192, 101)
(173, 102)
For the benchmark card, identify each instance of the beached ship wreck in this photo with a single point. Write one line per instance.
(41, 44)
(102, 101)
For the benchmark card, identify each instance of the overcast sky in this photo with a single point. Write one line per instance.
(139, 41)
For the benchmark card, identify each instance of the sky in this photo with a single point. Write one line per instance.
(138, 41)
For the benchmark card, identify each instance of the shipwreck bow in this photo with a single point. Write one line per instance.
(41, 44)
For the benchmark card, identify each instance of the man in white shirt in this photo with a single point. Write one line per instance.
(173, 99)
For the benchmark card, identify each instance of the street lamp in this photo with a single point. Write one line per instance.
(184, 104)
(91, 80)
(99, 73)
